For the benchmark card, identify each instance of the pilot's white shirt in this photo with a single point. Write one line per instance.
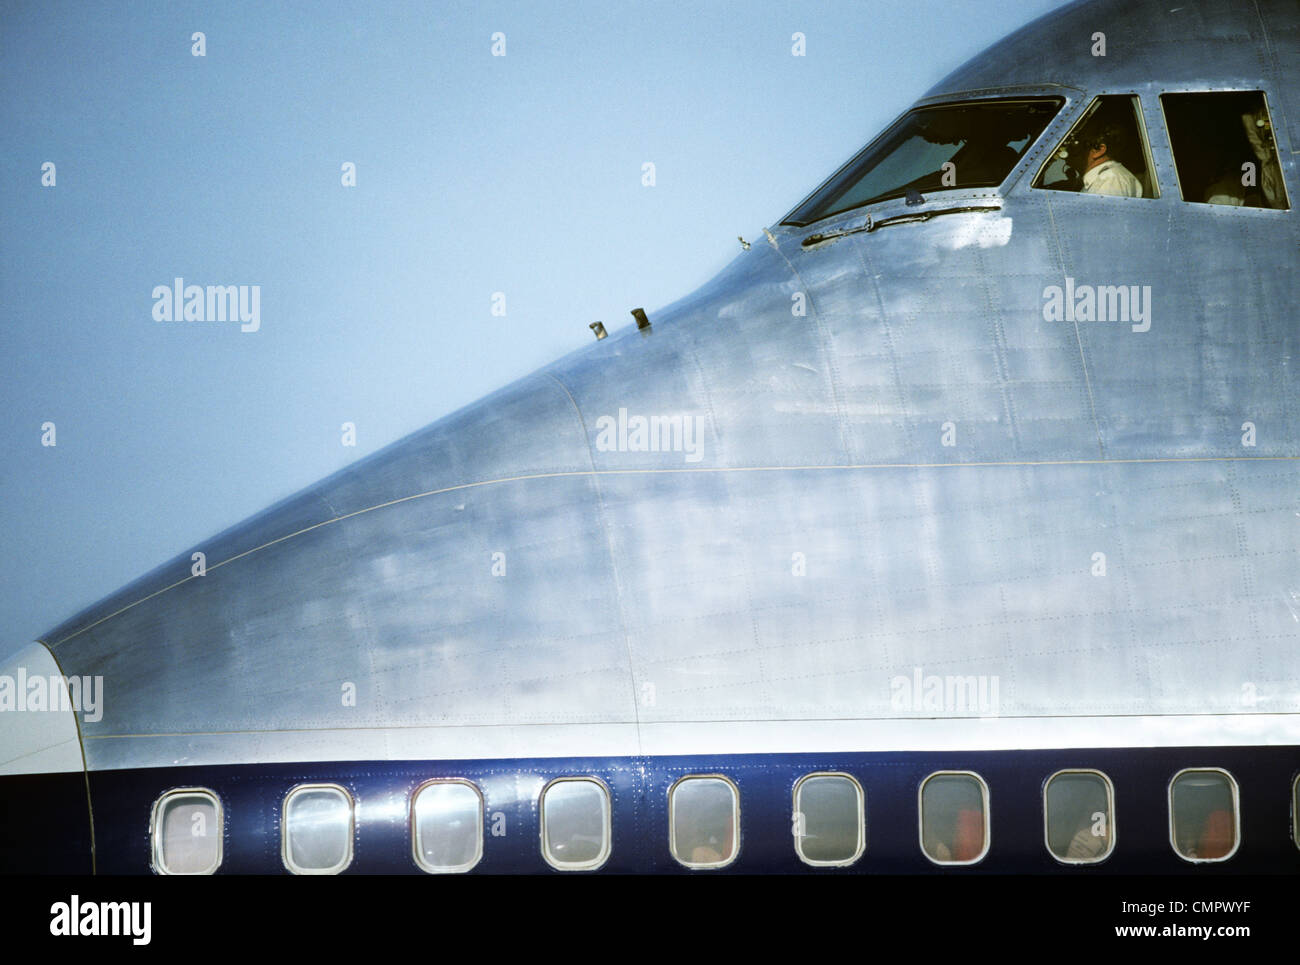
(1111, 177)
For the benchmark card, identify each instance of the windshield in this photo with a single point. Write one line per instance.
(972, 145)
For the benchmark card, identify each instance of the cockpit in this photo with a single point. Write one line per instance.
(1223, 148)
(970, 145)
(1221, 143)
(1106, 152)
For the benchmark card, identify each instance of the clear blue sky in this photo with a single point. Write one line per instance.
(475, 174)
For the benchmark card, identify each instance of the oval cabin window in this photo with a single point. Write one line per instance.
(447, 826)
(186, 832)
(704, 821)
(954, 817)
(316, 836)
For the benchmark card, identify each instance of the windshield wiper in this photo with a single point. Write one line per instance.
(872, 224)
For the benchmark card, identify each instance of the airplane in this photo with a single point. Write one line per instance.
(950, 529)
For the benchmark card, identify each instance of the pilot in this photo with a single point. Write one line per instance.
(1103, 143)
(1259, 133)
(1226, 188)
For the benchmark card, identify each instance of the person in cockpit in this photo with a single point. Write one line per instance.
(1226, 187)
(1259, 132)
(1103, 144)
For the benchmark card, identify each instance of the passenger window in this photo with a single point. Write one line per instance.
(186, 831)
(828, 820)
(1295, 810)
(575, 824)
(316, 836)
(1203, 821)
(704, 821)
(1079, 816)
(447, 826)
(1223, 148)
(1105, 153)
(954, 817)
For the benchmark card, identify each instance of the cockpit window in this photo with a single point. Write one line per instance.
(971, 145)
(1223, 148)
(1105, 153)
